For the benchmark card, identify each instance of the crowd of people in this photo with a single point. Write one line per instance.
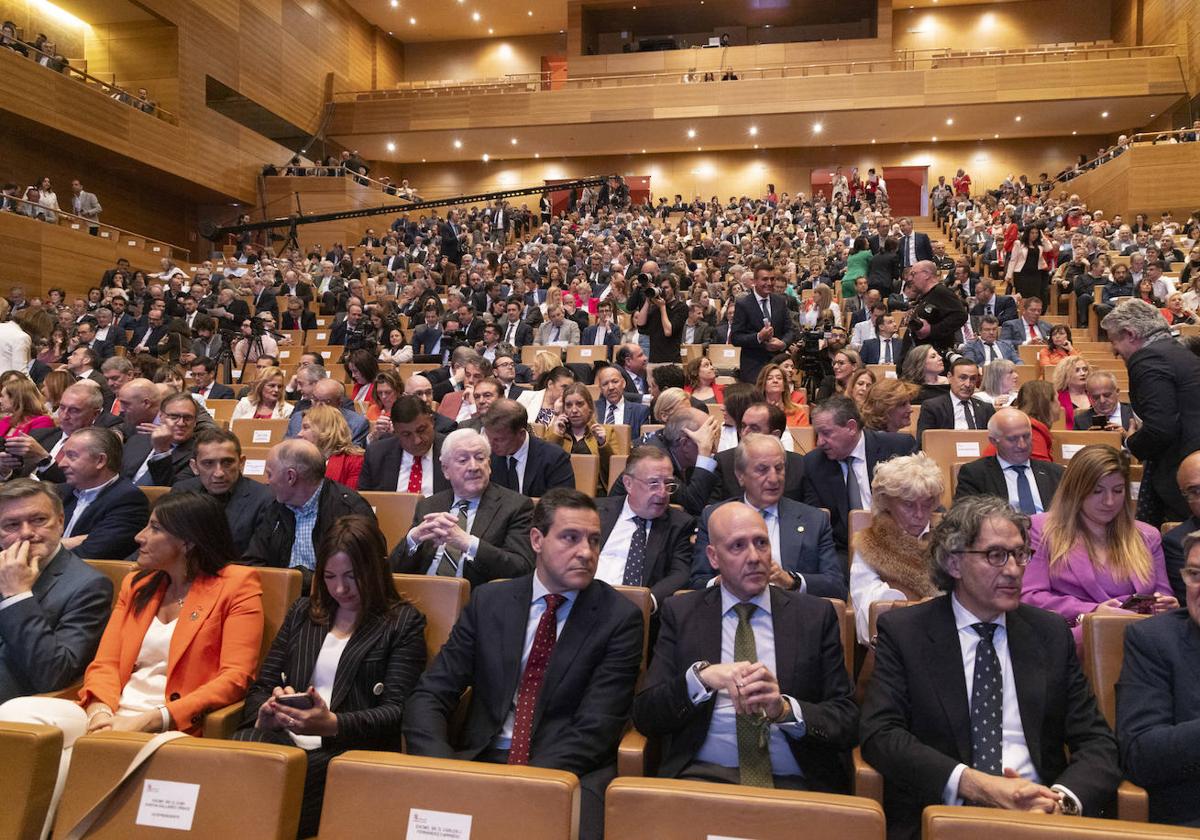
(746, 682)
(40, 201)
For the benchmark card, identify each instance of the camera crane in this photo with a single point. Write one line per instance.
(214, 232)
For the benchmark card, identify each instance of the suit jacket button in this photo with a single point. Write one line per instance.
(174, 697)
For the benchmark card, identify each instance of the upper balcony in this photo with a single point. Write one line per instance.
(905, 98)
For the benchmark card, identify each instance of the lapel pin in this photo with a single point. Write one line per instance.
(378, 689)
(799, 529)
(195, 614)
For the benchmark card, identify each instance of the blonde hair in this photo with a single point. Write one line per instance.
(544, 361)
(333, 432)
(882, 398)
(1128, 557)
(670, 401)
(26, 400)
(907, 478)
(256, 391)
(1065, 369)
(786, 404)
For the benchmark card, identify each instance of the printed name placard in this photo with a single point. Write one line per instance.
(262, 436)
(1069, 450)
(255, 466)
(168, 804)
(966, 449)
(729, 354)
(437, 825)
(585, 353)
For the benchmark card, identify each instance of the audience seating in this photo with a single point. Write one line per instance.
(953, 446)
(725, 357)
(673, 809)
(246, 789)
(115, 570)
(27, 773)
(1066, 443)
(394, 511)
(154, 492)
(587, 473)
(804, 437)
(221, 410)
(256, 462)
(616, 466)
(943, 822)
(252, 432)
(440, 600)
(367, 790)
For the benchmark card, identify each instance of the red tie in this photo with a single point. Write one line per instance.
(531, 680)
(1033, 331)
(414, 477)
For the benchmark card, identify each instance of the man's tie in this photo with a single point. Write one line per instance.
(531, 680)
(554, 336)
(511, 479)
(887, 350)
(612, 414)
(635, 563)
(852, 489)
(754, 757)
(990, 308)
(1024, 491)
(1033, 333)
(511, 338)
(765, 303)
(989, 352)
(966, 406)
(451, 557)
(414, 476)
(987, 704)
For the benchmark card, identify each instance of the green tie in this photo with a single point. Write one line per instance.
(754, 759)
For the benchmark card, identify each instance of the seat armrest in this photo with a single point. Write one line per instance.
(224, 721)
(631, 754)
(1133, 803)
(867, 782)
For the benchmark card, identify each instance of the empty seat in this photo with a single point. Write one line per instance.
(27, 773)
(365, 791)
(252, 432)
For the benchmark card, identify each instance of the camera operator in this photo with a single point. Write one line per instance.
(937, 314)
(661, 316)
(254, 342)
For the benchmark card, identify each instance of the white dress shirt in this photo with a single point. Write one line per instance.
(862, 331)
(618, 411)
(860, 471)
(729, 437)
(83, 498)
(615, 551)
(323, 675)
(1010, 479)
(406, 462)
(960, 414)
(472, 546)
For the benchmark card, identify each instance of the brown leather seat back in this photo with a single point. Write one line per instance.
(941, 822)
(367, 791)
(1103, 654)
(29, 767)
(246, 789)
(440, 600)
(280, 588)
(673, 809)
(115, 571)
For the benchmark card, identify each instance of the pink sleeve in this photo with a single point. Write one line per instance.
(1037, 588)
(42, 421)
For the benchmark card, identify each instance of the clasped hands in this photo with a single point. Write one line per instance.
(442, 528)
(102, 719)
(275, 716)
(751, 685)
(1009, 792)
(766, 337)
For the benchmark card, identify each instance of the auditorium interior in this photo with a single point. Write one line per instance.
(481, 176)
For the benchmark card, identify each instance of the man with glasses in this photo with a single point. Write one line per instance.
(161, 451)
(949, 730)
(504, 368)
(1107, 411)
(1188, 478)
(643, 540)
(937, 315)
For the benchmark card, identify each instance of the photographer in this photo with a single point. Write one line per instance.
(938, 314)
(254, 343)
(661, 317)
(353, 329)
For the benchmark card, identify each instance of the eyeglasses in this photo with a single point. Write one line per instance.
(1190, 574)
(180, 418)
(1191, 493)
(998, 557)
(656, 484)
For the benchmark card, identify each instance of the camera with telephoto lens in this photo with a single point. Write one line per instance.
(646, 282)
(257, 326)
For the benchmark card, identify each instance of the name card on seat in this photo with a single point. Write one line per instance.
(262, 436)
(966, 449)
(1069, 450)
(437, 825)
(255, 466)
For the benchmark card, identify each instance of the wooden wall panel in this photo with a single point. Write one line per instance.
(1146, 179)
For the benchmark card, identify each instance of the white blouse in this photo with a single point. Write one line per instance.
(147, 686)
(323, 675)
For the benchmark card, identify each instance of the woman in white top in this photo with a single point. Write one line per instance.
(396, 348)
(1000, 383)
(265, 400)
(542, 405)
(48, 201)
(821, 308)
(891, 557)
(343, 664)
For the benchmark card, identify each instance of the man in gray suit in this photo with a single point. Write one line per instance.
(53, 606)
(86, 204)
(558, 329)
(217, 461)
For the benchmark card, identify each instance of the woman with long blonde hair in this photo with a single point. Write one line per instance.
(1090, 555)
(325, 428)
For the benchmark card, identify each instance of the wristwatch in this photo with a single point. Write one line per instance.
(797, 580)
(697, 668)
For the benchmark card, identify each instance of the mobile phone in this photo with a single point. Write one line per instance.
(297, 701)
(1099, 421)
(1138, 603)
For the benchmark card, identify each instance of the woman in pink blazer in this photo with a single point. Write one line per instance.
(1089, 553)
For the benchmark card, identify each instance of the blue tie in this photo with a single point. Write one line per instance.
(1024, 491)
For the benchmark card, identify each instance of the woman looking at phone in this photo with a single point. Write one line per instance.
(1089, 553)
(343, 664)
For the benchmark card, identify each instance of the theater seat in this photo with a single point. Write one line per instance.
(394, 511)
(115, 571)
(440, 600)
(251, 432)
(31, 756)
(587, 473)
(942, 822)
(368, 791)
(672, 809)
(246, 789)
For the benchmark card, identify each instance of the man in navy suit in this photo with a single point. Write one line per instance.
(1107, 411)
(838, 472)
(605, 325)
(204, 372)
(885, 348)
(103, 511)
(762, 326)
(515, 331)
(558, 641)
(521, 462)
(914, 247)
(409, 459)
(53, 608)
(331, 393)
(1188, 479)
(987, 347)
(1158, 721)
(613, 407)
(449, 243)
(631, 359)
(802, 551)
(218, 463)
(427, 338)
(1029, 328)
(1002, 307)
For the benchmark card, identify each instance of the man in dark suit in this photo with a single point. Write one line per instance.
(696, 330)
(522, 462)
(305, 507)
(803, 555)
(838, 472)
(218, 463)
(204, 374)
(53, 608)
(762, 326)
(161, 457)
(745, 648)
(1005, 473)
(36, 455)
(643, 540)
(1188, 479)
(1029, 328)
(409, 459)
(293, 286)
(427, 338)
(103, 511)
(296, 317)
(262, 297)
(85, 336)
(84, 362)
(449, 243)
(690, 438)
(1001, 307)
(350, 327)
(613, 407)
(960, 409)
(939, 310)
(759, 418)
(1156, 713)
(914, 246)
(145, 339)
(584, 649)
(1107, 411)
(514, 330)
(474, 530)
(1164, 379)
(885, 348)
(987, 346)
(231, 311)
(977, 697)
(606, 331)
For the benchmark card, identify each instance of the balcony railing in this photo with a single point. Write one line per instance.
(120, 236)
(905, 60)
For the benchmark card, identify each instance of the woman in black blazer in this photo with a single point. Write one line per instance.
(353, 648)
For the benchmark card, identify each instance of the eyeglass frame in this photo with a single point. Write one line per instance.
(1008, 552)
(670, 485)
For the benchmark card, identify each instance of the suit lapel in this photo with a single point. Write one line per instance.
(946, 671)
(782, 611)
(1029, 674)
(512, 623)
(201, 599)
(50, 573)
(790, 539)
(312, 637)
(996, 477)
(1045, 488)
(708, 625)
(489, 506)
(360, 643)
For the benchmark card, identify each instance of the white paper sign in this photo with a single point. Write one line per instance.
(889, 374)
(440, 825)
(585, 353)
(966, 449)
(74, 225)
(729, 354)
(321, 336)
(262, 436)
(326, 354)
(168, 804)
(237, 374)
(1069, 450)
(131, 243)
(1135, 488)
(255, 466)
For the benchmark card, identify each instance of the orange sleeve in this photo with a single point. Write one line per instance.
(103, 680)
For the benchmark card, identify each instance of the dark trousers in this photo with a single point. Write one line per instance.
(591, 794)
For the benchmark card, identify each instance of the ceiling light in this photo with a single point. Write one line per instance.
(935, 138)
(513, 141)
(530, 13)
(422, 160)
(995, 136)
(766, 26)
(458, 144)
(872, 139)
(691, 133)
(412, 21)
(1073, 133)
(486, 157)
(1104, 114)
(475, 16)
(491, 31)
(753, 130)
(1017, 118)
(537, 154)
(391, 147)
(1152, 116)
(699, 148)
(395, 3)
(756, 145)
(818, 128)
(389, 32)
(949, 120)
(643, 151)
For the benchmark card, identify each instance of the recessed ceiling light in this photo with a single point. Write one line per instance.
(699, 148)
(935, 138)
(818, 128)
(643, 151)
(756, 145)
(949, 120)
(389, 32)
(1017, 118)
(422, 160)
(491, 31)
(391, 147)
(1104, 114)
(475, 16)
(486, 157)
(530, 12)
(1073, 133)
(562, 32)
(691, 133)
(513, 141)
(872, 139)
(753, 130)
(412, 21)
(995, 136)
(395, 3)
(458, 144)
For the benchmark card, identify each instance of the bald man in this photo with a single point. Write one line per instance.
(1188, 477)
(332, 393)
